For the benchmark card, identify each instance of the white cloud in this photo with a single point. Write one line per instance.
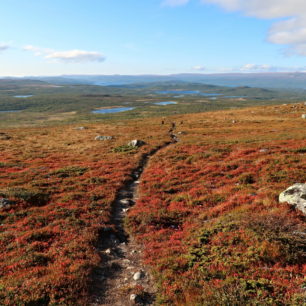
(254, 67)
(69, 56)
(4, 46)
(175, 2)
(76, 56)
(269, 68)
(198, 68)
(291, 31)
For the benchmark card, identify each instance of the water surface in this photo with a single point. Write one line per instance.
(112, 110)
(23, 96)
(165, 103)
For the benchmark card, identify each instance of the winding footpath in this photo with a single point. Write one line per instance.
(121, 267)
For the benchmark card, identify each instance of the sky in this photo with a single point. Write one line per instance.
(60, 37)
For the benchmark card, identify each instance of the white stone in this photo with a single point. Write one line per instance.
(136, 143)
(304, 116)
(103, 137)
(133, 297)
(296, 196)
(108, 251)
(138, 276)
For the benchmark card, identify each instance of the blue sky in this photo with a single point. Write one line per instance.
(43, 37)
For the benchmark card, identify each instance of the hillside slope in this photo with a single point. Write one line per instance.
(207, 214)
(209, 218)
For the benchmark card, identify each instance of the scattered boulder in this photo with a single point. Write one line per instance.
(5, 203)
(104, 137)
(295, 195)
(136, 143)
(80, 128)
(126, 201)
(304, 116)
(138, 276)
(133, 298)
(264, 150)
(108, 251)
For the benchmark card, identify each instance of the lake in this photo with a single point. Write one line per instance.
(179, 93)
(25, 96)
(165, 103)
(112, 110)
(206, 94)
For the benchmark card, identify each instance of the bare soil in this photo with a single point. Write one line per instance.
(121, 255)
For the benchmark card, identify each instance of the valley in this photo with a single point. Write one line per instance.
(161, 205)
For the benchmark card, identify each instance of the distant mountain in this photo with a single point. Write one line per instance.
(294, 80)
(286, 80)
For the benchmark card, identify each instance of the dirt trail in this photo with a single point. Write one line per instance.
(121, 267)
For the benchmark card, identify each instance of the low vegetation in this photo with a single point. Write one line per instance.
(209, 218)
(60, 184)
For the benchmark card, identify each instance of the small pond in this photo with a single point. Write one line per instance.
(208, 94)
(165, 103)
(112, 110)
(23, 96)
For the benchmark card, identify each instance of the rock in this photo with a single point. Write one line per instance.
(138, 276)
(304, 116)
(104, 137)
(133, 297)
(80, 128)
(296, 196)
(136, 143)
(108, 251)
(5, 203)
(125, 201)
(264, 150)
(233, 121)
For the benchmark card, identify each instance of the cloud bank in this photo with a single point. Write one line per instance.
(290, 31)
(270, 68)
(70, 56)
(4, 46)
